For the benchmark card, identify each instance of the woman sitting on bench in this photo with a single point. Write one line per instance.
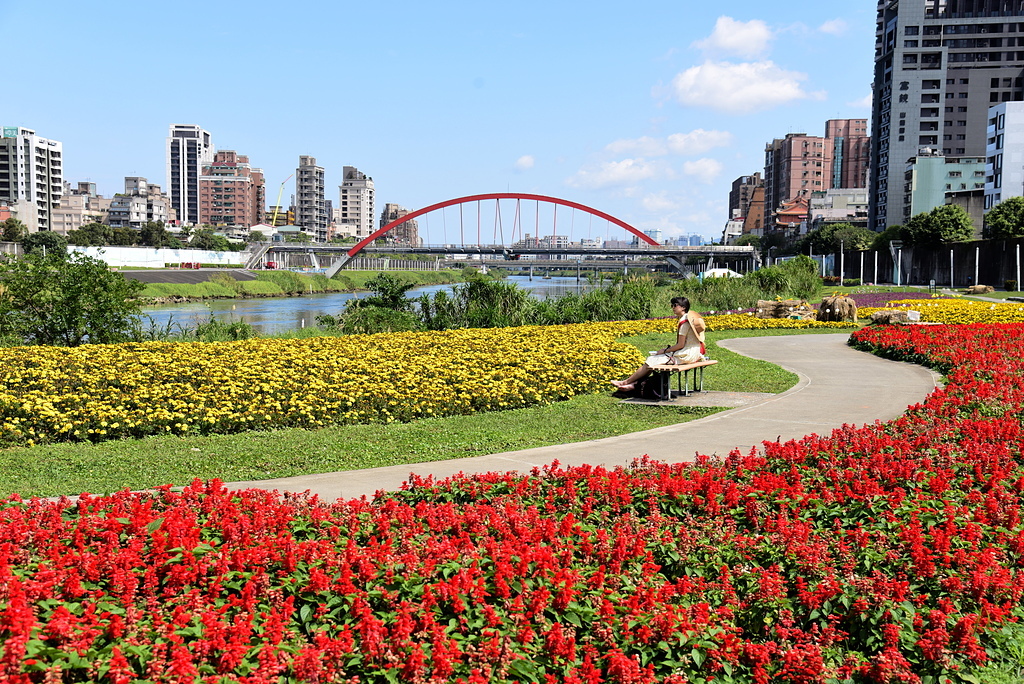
(688, 348)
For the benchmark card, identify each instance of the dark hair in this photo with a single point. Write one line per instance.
(681, 301)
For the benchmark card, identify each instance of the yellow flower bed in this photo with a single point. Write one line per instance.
(100, 392)
(955, 310)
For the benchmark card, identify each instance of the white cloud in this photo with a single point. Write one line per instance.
(641, 147)
(525, 162)
(704, 170)
(865, 102)
(618, 173)
(698, 141)
(695, 142)
(730, 37)
(659, 203)
(739, 88)
(835, 27)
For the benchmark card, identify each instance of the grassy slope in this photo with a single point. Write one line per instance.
(51, 470)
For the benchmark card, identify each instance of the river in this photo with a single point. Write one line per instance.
(271, 315)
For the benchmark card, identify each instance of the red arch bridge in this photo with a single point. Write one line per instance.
(495, 225)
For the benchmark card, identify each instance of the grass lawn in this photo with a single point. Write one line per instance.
(52, 470)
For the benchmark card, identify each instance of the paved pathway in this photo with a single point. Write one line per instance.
(837, 386)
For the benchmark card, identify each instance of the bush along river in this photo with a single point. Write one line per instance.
(279, 314)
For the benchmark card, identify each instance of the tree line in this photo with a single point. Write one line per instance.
(150, 234)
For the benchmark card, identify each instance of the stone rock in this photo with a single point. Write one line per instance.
(838, 308)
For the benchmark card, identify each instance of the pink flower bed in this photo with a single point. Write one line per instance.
(883, 553)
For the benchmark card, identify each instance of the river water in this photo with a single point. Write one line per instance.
(279, 314)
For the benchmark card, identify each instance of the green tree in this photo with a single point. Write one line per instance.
(66, 300)
(205, 238)
(882, 240)
(256, 236)
(123, 237)
(12, 230)
(91, 235)
(44, 241)
(833, 236)
(155, 234)
(1005, 220)
(942, 225)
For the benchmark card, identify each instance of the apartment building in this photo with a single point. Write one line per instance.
(741, 193)
(79, 206)
(189, 149)
(406, 233)
(930, 176)
(141, 202)
(1004, 153)
(312, 213)
(939, 66)
(356, 204)
(31, 176)
(231, 191)
(851, 152)
(794, 167)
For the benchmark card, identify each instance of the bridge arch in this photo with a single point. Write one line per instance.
(496, 196)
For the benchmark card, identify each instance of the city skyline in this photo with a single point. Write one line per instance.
(647, 116)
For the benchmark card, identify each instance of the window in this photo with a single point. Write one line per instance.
(961, 109)
(910, 43)
(910, 30)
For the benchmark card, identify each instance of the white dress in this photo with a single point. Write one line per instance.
(690, 353)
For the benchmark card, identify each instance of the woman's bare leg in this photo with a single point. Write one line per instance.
(630, 382)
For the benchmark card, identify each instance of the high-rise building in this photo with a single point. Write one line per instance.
(405, 233)
(355, 210)
(189, 148)
(231, 192)
(939, 65)
(851, 152)
(794, 167)
(31, 176)
(741, 193)
(311, 212)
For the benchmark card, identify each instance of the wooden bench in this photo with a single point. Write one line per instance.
(682, 371)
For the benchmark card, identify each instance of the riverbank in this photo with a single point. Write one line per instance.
(220, 285)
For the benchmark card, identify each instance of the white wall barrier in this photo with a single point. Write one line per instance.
(152, 257)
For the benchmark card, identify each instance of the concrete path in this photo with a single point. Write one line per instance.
(837, 386)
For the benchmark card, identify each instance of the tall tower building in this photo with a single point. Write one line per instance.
(311, 212)
(31, 176)
(355, 212)
(939, 66)
(189, 148)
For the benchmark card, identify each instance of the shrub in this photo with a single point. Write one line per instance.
(372, 319)
(1010, 285)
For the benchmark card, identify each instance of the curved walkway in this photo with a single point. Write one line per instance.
(838, 385)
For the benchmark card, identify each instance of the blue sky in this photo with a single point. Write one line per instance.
(646, 112)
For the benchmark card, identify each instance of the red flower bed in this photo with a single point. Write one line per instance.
(883, 553)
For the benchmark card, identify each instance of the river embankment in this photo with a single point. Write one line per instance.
(176, 286)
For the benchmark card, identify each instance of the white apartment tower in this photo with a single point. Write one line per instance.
(356, 211)
(31, 176)
(189, 148)
(311, 212)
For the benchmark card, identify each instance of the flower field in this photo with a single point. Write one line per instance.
(100, 392)
(956, 310)
(882, 553)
